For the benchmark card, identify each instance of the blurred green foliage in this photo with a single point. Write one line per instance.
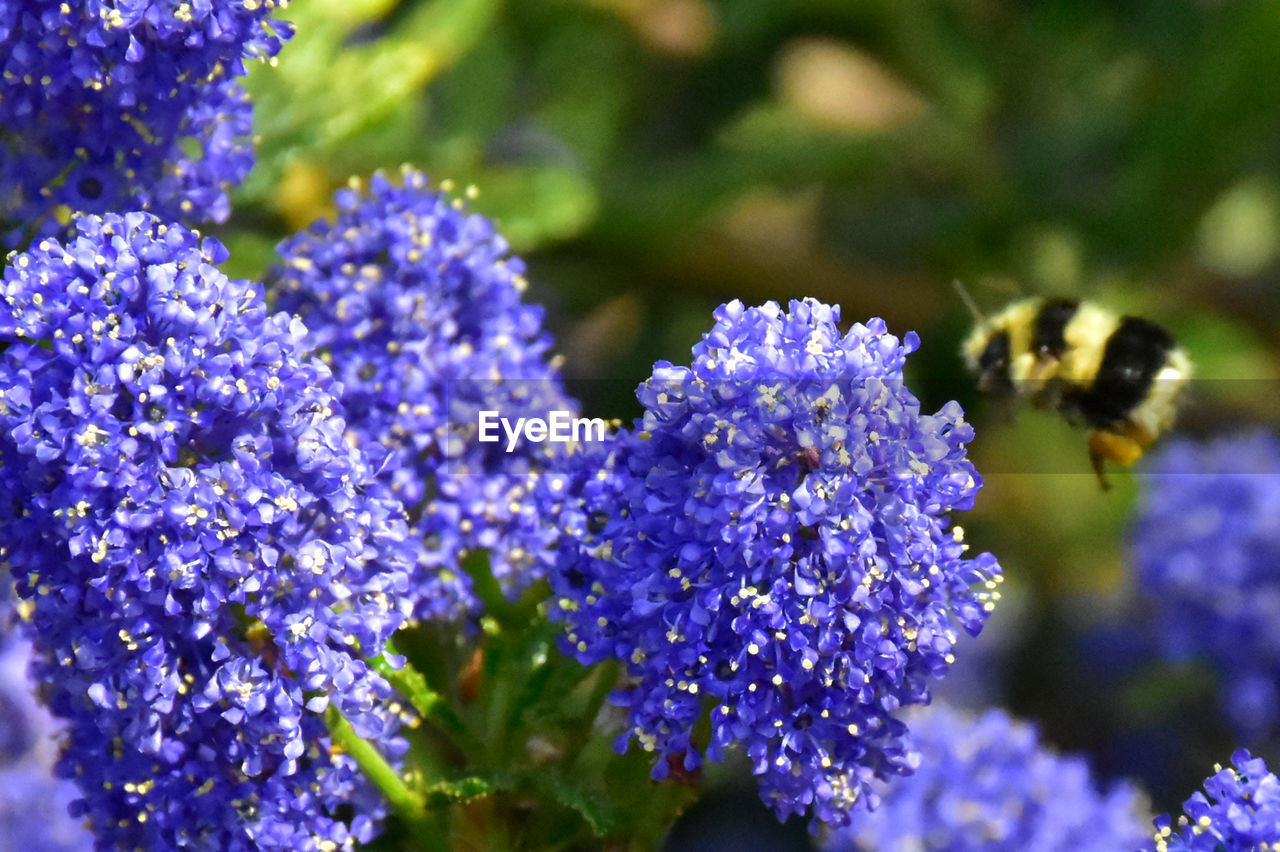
(653, 158)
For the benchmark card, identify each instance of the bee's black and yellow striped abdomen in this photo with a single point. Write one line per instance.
(1134, 355)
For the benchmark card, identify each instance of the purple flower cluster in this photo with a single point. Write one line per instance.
(774, 543)
(418, 309)
(125, 104)
(1206, 543)
(1239, 811)
(986, 784)
(33, 803)
(204, 558)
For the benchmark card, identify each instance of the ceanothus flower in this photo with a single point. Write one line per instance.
(772, 541)
(986, 784)
(125, 104)
(203, 557)
(1239, 811)
(1206, 543)
(417, 307)
(33, 802)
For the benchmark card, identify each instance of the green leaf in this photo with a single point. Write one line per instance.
(593, 810)
(536, 205)
(329, 88)
(462, 789)
(466, 789)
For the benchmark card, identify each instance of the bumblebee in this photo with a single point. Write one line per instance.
(1121, 376)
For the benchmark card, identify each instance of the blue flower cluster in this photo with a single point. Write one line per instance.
(121, 104)
(1205, 547)
(986, 784)
(1239, 811)
(418, 309)
(204, 558)
(776, 546)
(33, 803)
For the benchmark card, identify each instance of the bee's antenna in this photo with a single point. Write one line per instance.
(969, 303)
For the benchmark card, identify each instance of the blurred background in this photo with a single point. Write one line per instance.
(651, 159)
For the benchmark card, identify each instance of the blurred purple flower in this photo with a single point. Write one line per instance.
(33, 802)
(986, 784)
(1206, 546)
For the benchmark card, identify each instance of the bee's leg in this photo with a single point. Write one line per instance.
(1124, 448)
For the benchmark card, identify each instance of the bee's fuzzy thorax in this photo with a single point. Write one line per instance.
(1086, 337)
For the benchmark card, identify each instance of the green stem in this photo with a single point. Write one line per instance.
(408, 805)
(606, 675)
(499, 674)
(477, 566)
(431, 705)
